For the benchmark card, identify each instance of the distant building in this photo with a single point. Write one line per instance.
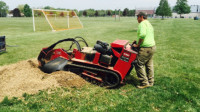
(9, 15)
(195, 12)
(195, 8)
(150, 12)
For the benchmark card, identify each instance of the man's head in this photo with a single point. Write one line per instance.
(141, 17)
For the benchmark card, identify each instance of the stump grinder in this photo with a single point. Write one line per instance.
(102, 64)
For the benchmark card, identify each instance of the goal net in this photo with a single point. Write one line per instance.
(55, 20)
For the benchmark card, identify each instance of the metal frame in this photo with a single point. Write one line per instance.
(42, 10)
(48, 20)
(68, 19)
(33, 20)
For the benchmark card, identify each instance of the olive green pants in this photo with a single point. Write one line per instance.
(144, 66)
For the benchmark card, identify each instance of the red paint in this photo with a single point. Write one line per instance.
(53, 54)
(96, 58)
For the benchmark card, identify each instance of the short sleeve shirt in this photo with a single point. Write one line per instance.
(146, 32)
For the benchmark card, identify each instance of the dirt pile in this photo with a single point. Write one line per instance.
(26, 77)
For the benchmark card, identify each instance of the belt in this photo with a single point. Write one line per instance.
(148, 47)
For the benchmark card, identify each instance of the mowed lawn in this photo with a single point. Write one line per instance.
(177, 67)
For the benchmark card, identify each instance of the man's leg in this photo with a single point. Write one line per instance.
(140, 67)
(149, 67)
(140, 70)
(150, 71)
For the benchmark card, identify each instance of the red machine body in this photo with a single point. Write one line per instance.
(109, 68)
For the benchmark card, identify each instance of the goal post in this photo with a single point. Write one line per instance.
(55, 20)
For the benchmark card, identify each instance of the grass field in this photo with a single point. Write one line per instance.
(177, 67)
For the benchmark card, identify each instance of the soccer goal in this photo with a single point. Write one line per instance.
(55, 20)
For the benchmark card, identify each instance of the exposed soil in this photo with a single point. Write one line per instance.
(26, 77)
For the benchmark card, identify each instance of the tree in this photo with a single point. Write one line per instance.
(73, 13)
(3, 9)
(109, 13)
(131, 13)
(90, 12)
(164, 9)
(16, 13)
(62, 14)
(81, 13)
(96, 13)
(84, 13)
(102, 13)
(182, 7)
(21, 8)
(125, 12)
(48, 7)
(60, 9)
(27, 11)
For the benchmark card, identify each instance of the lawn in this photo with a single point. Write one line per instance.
(177, 67)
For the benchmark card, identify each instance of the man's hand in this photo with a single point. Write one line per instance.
(135, 45)
(134, 42)
(139, 43)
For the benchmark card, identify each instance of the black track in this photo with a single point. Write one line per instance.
(110, 79)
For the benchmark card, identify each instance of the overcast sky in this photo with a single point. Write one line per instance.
(94, 4)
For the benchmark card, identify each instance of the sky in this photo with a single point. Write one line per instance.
(94, 4)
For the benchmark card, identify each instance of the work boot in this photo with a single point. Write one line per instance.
(143, 86)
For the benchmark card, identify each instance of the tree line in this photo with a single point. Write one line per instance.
(163, 10)
(101, 13)
(25, 10)
(22, 10)
(98, 13)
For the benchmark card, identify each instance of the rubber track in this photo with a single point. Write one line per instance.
(97, 70)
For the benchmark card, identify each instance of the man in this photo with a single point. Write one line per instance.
(146, 45)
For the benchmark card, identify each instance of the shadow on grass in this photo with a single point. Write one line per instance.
(132, 31)
(3, 52)
(129, 31)
(132, 80)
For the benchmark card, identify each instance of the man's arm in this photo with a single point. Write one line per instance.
(139, 43)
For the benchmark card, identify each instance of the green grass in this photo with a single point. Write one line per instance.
(177, 67)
